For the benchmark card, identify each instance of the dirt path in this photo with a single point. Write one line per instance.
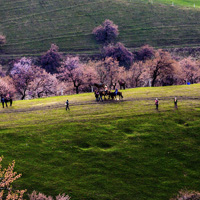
(60, 105)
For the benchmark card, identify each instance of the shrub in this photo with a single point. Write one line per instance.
(7, 177)
(50, 61)
(40, 196)
(187, 195)
(146, 52)
(120, 53)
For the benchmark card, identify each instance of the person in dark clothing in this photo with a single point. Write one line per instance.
(175, 103)
(67, 105)
(97, 95)
(2, 101)
(156, 103)
(11, 101)
(100, 97)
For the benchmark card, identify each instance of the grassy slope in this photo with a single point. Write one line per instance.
(120, 150)
(31, 26)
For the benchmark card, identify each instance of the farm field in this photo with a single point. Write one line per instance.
(106, 150)
(32, 26)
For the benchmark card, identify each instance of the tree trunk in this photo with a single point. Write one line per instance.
(23, 95)
(77, 91)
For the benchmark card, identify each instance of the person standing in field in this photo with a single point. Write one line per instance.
(156, 103)
(106, 89)
(175, 103)
(2, 101)
(67, 105)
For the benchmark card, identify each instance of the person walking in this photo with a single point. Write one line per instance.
(67, 104)
(175, 103)
(156, 103)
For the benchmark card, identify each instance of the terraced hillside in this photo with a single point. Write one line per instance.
(32, 25)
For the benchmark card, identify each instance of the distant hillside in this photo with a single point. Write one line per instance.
(32, 25)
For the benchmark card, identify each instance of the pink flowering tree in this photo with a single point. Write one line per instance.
(44, 84)
(106, 33)
(160, 67)
(23, 74)
(190, 70)
(113, 71)
(7, 87)
(108, 71)
(90, 74)
(7, 177)
(134, 74)
(72, 71)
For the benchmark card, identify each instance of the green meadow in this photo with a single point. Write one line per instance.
(120, 150)
(32, 26)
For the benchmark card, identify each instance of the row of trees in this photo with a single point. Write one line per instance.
(159, 69)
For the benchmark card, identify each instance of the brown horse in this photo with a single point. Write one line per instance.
(122, 84)
(105, 93)
(99, 85)
(113, 95)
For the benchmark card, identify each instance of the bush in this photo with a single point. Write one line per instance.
(40, 196)
(146, 52)
(50, 61)
(120, 53)
(187, 195)
(7, 177)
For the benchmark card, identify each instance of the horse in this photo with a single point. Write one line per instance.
(122, 84)
(104, 93)
(99, 85)
(113, 94)
(8, 99)
(5, 100)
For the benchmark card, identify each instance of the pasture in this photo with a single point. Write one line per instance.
(120, 150)
(32, 26)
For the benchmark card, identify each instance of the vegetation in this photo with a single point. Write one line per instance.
(7, 177)
(31, 27)
(110, 150)
(107, 33)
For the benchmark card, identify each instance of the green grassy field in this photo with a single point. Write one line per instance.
(120, 150)
(31, 26)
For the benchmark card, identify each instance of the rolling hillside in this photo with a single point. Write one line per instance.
(120, 150)
(32, 25)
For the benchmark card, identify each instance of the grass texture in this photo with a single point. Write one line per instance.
(32, 26)
(120, 150)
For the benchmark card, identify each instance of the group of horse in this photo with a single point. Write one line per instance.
(99, 94)
(5, 100)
